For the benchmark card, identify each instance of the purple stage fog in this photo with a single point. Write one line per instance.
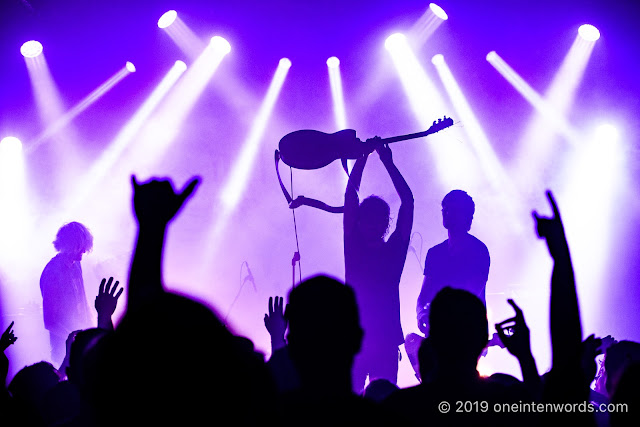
(541, 96)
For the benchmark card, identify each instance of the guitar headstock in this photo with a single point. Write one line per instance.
(442, 123)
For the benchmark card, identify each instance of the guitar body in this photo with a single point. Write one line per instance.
(312, 149)
(411, 345)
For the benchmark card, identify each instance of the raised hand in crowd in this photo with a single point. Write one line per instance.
(155, 204)
(565, 382)
(106, 302)
(7, 338)
(275, 323)
(514, 334)
(566, 330)
(552, 230)
(590, 350)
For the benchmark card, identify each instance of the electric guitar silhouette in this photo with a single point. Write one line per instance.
(311, 149)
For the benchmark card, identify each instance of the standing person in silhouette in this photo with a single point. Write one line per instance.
(324, 337)
(461, 262)
(459, 331)
(64, 302)
(373, 268)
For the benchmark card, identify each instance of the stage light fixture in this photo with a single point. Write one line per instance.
(285, 63)
(589, 32)
(438, 11)
(394, 40)
(180, 66)
(606, 133)
(131, 67)
(437, 59)
(10, 145)
(167, 19)
(220, 43)
(333, 62)
(31, 49)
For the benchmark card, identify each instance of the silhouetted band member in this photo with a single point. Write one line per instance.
(373, 267)
(64, 302)
(462, 261)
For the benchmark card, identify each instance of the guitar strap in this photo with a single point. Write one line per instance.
(301, 200)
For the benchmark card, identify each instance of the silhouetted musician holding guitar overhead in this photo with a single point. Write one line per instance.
(462, 261)
(373, 267)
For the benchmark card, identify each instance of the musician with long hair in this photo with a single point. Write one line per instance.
(373, 267)
(64, 301)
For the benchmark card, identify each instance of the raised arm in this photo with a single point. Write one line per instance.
(351, 199)
(405, 214)
(7, 339)
(566, 330)
(518, 342)
(155, 204)
(106, 302)
(275, 323)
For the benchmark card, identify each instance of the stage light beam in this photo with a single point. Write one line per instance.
(533, 97)
(592, 188)
(181, 34)
(111, 155)
(165, 124)
(538, 141)
(335, 81)
(71, 114)
(63, 151)
(426, 25)
(14, 215)
(236, 182)
(453, 162)
(487, 158)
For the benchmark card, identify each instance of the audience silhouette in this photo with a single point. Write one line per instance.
(324, 337)
(171, 360)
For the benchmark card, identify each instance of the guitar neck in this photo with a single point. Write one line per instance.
(442, 124)
(405, 137)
